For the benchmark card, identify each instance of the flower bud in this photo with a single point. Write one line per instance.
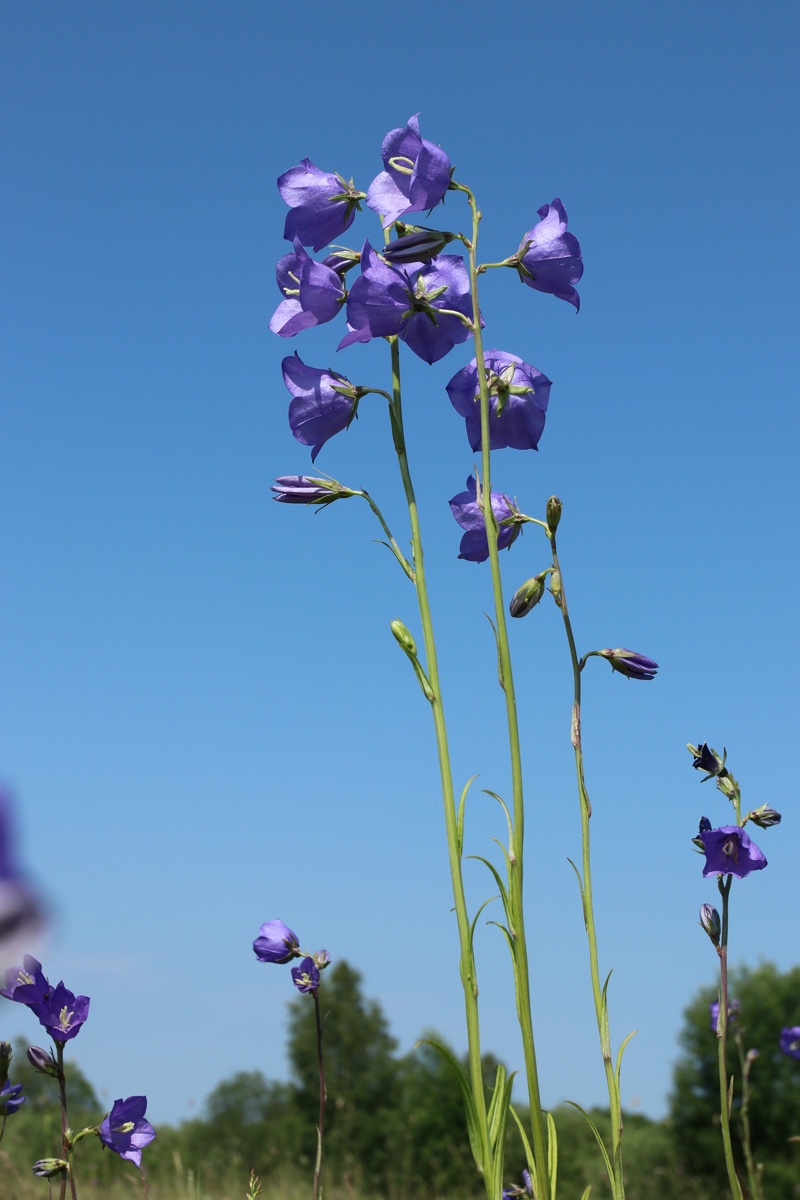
(403, 637)
(42, 1061)
(764, 817)
(321, 959)
(418, 245)
(709, 919)
(47, 1168)
(5, 1061)
(553, 513)
(705, 826)
(528, 596)
(555, 586)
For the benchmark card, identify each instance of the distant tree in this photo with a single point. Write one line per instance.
(768, 1000)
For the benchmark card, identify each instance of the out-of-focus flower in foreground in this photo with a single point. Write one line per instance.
(415, 175)
(276, 943)
(549, 258)
(729, 851)
(125, 1131)
(790, 1040)
(466, 510)
(26, 984)
(518, 397)
(21, 914)
(322, 204)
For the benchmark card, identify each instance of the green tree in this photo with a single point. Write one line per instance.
(768, 1000)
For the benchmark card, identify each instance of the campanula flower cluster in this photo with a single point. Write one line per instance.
(729, 850)
(276, 943)
(124, 1130)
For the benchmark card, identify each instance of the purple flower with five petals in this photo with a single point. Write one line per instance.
(729, 851)
(306, 977)
(322, 204)
(62, 1013)
(314, 293)
(552, 260)
(415, 177)
(323, 402)
(11, 1098)
(790, 1040)
(125, 1130)
(276, 943)
(518, 396)
(26, 984)
(466, 510)
(386, 300)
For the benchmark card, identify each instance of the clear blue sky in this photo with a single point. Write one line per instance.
(204, 717)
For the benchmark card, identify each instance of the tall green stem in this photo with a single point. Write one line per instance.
(467, 962)
(517, 931)
(598, 991)
(725, 1088)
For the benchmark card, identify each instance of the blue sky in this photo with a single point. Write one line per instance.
(205, 719)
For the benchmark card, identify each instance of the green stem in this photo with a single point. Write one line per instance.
(467, 962)
(66, 1140)
(725, 1092)
(745, 1062)
(323, 1095)
(516, 915)
(600, 999)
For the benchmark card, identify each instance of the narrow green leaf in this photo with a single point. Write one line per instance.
(525, 1143)
(504, 807)
(600, 1142)
(473, 1125)
(587, 1193)
(460, 817)
(552, 1155)
(477, 914)
(500, 679)
(620, 1053)
(501, 1102)
(495, 875)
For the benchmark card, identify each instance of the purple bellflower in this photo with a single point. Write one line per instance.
(125, 1130)
(549, 258)
(466, 510)
(306, 977)
(628, 662)
(706, 759)
(11, 1098)
(313, 293)
(415, 177)
(26, 984)
(323, 402)
(518, 396)
(729, 851)
(386, 300)
(62, 1013)
(276, 943)
(301, 489)
(322, 204)
(790, 1040)
(713, 1008)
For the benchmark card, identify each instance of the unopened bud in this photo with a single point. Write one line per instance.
(764, 817)
(47, 1168)
(555, 586)
(553, 513)
(42, 1061)
(528, 596)
(419, 245)
(709, 919)
(403, 637)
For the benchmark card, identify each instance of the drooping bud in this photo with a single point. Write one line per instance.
(765, 817)
(631, 664)
(43, 1062)
(304, 489)
(418, 245)
(709, 919)
(528, 596)
(47, 1168)
(341, 260)
(553, 513)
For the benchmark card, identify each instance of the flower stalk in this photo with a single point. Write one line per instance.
(725, 1084)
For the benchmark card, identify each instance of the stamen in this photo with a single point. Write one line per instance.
(404, 165)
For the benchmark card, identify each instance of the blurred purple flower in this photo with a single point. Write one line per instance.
(729, 851)
(628, 662)
(322, 204)
(11, 1098)
(21, 915)
(713, 1008)
(306, 977)
(552, 262)
(276, 943)
(415, 177)
(518, 396)
(26, 984)
(790, 1040)
(385, 300)
(323, 402)
(125, 1130)
(314, 293)
(62, 1013)
(475, 544)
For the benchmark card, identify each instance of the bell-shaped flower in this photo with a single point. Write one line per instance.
(11, 1098)
(306, 977)
(415, 177)
(628, 662)
(322, 204)
(313, 293)
(790, 1040)
(729, 851)
(466, 510)
(518, 397)
(125, 1131)
(323, 402)
(276, 943)
(386, 300)
(549, 258)
(26, 984)
(62, 1013)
